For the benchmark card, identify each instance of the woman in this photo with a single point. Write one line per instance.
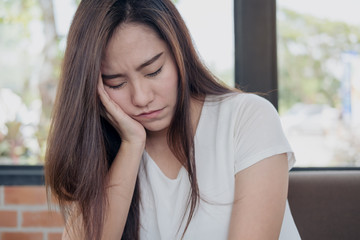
(145, 143)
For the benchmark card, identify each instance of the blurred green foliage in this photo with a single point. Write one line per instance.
(309, 53)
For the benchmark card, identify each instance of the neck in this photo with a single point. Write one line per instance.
(159, 137)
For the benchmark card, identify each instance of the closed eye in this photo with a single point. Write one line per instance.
(154, 73)
(117, 86)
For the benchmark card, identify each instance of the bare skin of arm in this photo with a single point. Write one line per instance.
(259, 201)
(122, 174)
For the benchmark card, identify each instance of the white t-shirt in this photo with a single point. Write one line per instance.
(233, 133)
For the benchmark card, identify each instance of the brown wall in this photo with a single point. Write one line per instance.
(24, 214)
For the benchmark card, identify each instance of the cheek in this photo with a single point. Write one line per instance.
(174, 87)
(171, 82)
(168, 89)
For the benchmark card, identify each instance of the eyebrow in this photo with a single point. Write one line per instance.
(146, 63)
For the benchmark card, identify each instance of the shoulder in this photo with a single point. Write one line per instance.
(241, 112)
(241, 104)
(252, 101)
(243, 99)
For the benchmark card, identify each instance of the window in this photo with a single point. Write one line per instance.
(211, 24)
(31, 44)
(319, 80)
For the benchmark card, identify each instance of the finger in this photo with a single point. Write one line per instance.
(101, 90)
(113, 111)
(110, 118)
(100, 85)
(105, 100)
(108, 103)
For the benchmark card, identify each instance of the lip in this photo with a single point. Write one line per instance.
(150, 114)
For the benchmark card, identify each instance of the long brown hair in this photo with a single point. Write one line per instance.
(82, 144)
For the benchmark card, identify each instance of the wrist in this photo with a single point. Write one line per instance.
(133, 145)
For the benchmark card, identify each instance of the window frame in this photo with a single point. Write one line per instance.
(21, 175)
(255, 47)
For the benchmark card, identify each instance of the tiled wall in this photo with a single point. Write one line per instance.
(24, 214)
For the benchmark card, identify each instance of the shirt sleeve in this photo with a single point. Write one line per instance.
(258, 133)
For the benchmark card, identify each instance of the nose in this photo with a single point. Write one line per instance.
(142, 94)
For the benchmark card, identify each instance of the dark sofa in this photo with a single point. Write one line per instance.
(326, 204)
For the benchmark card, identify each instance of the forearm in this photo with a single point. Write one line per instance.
(122, 179)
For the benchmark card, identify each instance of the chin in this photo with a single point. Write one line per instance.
(156, 127)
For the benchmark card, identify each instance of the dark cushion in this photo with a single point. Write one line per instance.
(326, 204)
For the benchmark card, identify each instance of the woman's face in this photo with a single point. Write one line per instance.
(140, 75)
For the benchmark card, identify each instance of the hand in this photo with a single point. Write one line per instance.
(130, 130)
